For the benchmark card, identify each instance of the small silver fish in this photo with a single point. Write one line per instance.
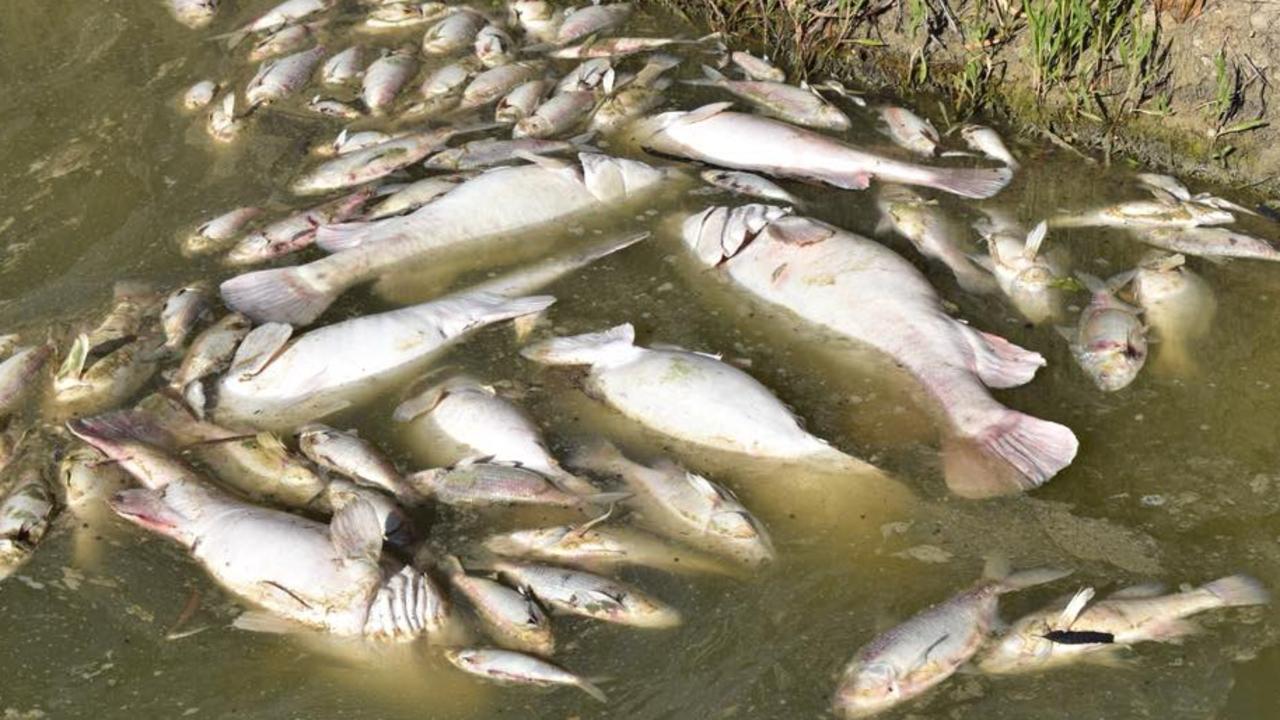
(371, 163)
(521, 101)
(1208, 242)
(279, 78)
(539, 19)
(17, 373)
(296, 231)
(496, 82)
(513, 619)
(573, 592)
(329, 107)
(987, 141)
(348, 454)
(487, 153)
(182, 310)
(211, 351)
(508, 667)
(415, 195)
(591, 20)
(1029, 278)
(25, 513)
(757, 68)
(1177, 304)
(223, 124)
(1147, 214)
(195, 14)
(801, 106)
(493, 46)
(199, 95)
(216, 234)
(286, 39)
(557, 116)
(932, 234)
(343, 67)
(748, 184)
(910, 131)
(589, 75)
(398, 15)
(384, 78)
(453, 32)
(489, 484)
(1110, 343)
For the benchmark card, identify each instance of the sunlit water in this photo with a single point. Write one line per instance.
(1176, 478)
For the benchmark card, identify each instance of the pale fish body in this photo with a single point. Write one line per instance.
(223, 125)
(1177, 304)
(1169, 188)
(348, 142)
(684, 506)
(588, 75)
(573, 592)
(987, 141)
(453, 32)
(199, 95)
(757, 68)
(1075, 630)
(10, 441)
(913, 657)
(1210, 242)
(398, 15)
(297, 231)
(521, 101)
(496, 82)
(819, 271)
(558, 115)
(415, 195)
(642, 94)
(214, 235)
(493, 46)
(750, 142)
(88, 480)
(539, 19)
(482, 424)
(195, 14)
(211, 351)
(348, 454)
(932, 234)
(479, 154)
(511, 618)
(910, 131)
(533, 195)
(488, 484)
(88, 383)
(449, 80)
(277, 79)
(614, 47)
(25, 513)
(1147, 214)
(330, 107)
(1110, 343)
(181, 312)
(329, 368)
(747, 184)
(602, 547)
(286, 13)
(686, 395)
(384, 78)
(785, 102)
(326, 578)
(591, 20)
(344, 67)
(1031, 279)
(507, 667)
(17, 375)
(132, 308)
(362, 166)
(286, 39)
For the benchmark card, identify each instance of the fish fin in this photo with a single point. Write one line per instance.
(792, 230)
(147, 509)
(1144, 590)
(1016, 453)
(703, 113)
(589, 688)
(1073, 609)
(957, 153)
(1164, 186)
(587, 349)
(260, 621)
(420, 404)
(712, 74)
(235, 37)
(584, 528)
(336, 237)
(262, 345)
(611, 246)
(977, 183)
(998, 362)
(422, 480)
(278, 295)
(986, 262)
(1030, 578)
(1119, 280)
(1035, 239)
(704, 487)
(73, 366)
(121, 425)
(1239, 590)
(356, 532)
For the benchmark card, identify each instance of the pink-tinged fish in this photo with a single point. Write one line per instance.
(1110, 343)
(296, 231)
(714, 135)
(821, 273)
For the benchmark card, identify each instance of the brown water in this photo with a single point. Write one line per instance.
(1176, 479)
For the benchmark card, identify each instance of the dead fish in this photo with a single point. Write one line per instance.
(557, 116)
(513, 619)
(521, 101)
(487, 153)
(801, 106)
(913, 657)
(757, 68)
(133, 306)
(384, 78)
(1146, 214)
(1031, 280)
(637, 97)
(348, 454)
(618, 47)
(182, 310)
(493, 46)
(415, 195)
(588, 76)
(377, 161)
(286, 39)
(279, 78)
(910, 131)
(199, 95)
(573, 592)
(508, 667)
(343, 67)
(195, 14)
(330, 107)
(932, 234)
(1177, 304)
(211, 351)
(216, 234)
(539, 19)
(349, 142)
(17, 375)
(25, 513)
(987, 141)
(296, 231)
(88, 480)
(1170, 189)
(453, 32)
(286, 13)
(496, 82)
(749, 185)
(399, 15)
(1208, 242)
(489, 484)
(1110, 343)
(1079, 631)
(591, 20)
(89, 382)
(223, 124)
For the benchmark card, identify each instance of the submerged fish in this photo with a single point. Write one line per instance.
(1177, 304)
(573, 592)
(508, 667)
(1110, 343)
(988, 142)
(479, 154)
(1146, 214)
(932, 234)
(199, 95)
(749, 142)
(591, 20)
(25, 512)
(1209, 242)
(798, 105)
(749, 185)
(910, 131)
(195, 14)
(819, 271)
(513, 619)
(216, 234)
(223, 124)
(1031, 279)
(17, 375)
(488, 484)
(1079, 631)
(913, 657)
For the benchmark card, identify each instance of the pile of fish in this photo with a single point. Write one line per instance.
(195, 413)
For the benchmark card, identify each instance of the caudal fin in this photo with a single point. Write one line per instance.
(107, 432)
(585, 349)
(278, 295)
(976, 183)
(998, 362)
(1015, 454)
(1239, 590)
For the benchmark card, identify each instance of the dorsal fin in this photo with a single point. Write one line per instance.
(262, 345)
(1074, 608)
(703, 113)
(1035, 239)
(356, 532)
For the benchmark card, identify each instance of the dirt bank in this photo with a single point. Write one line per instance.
(1182, 85)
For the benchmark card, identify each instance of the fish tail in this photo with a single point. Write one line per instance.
(590, 688)
(585, 349)
(1016, 453)
(1030, 578)
(998, 362)
(283, 295)
(345, 236)
(979, 183)
(1239, 590)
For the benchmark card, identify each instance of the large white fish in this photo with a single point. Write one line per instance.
(687, 395)
(714, 135)
(823, 273)
(272, 384)
(533, 196)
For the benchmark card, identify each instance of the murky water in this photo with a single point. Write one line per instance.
(1176, 479)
